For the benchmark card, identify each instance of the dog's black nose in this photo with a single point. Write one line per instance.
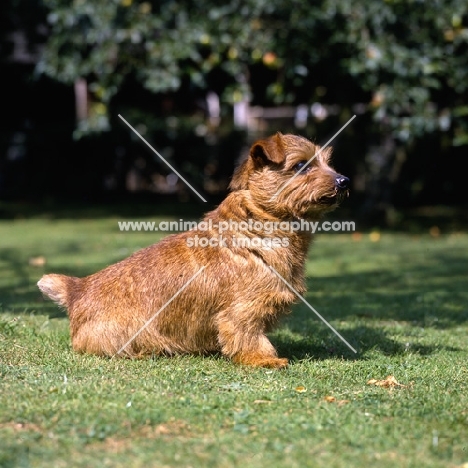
(342, 182)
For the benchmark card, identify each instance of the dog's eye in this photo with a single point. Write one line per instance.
(300, 165)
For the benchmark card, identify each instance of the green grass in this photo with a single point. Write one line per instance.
(401, 301)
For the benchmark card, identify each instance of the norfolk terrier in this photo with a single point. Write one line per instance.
(178, 297)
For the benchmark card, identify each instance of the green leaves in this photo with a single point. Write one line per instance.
(412, 53)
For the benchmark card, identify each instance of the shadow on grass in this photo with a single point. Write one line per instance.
(18, 290)
(369, 306)
(324, 344)
(429, 293)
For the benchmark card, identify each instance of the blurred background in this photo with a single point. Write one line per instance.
(202, 81)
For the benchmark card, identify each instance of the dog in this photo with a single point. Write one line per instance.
(177, 296)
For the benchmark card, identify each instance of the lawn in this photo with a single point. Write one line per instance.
(400, 299)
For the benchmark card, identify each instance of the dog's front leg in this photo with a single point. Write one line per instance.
(246, 343)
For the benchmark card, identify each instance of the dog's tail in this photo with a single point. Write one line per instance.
(58, 288)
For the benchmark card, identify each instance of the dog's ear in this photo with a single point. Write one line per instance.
(270, 150)
(263, 152)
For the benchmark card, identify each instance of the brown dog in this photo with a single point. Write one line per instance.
(179, 297)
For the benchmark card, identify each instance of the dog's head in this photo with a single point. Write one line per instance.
(287, 175)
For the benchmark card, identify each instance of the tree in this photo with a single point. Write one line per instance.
(409, 56)
(403, 62)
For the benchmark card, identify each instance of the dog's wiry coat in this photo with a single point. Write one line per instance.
(231, 305)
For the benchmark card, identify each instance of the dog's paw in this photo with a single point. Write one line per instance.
(273, 363)
(258, 360)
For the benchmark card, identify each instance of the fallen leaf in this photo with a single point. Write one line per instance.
(374, 236)
(37, 261)
(332, 399)
(389, 382)
(343, 402)
(301, 389)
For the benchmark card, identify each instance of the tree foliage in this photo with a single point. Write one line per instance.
(405, 60)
